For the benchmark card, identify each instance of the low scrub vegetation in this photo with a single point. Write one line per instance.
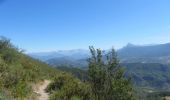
(66, 87)
(106, 81)
(18, 72)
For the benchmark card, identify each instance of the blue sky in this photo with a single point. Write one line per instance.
(49, 25)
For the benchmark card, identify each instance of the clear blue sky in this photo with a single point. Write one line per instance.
(49, 25)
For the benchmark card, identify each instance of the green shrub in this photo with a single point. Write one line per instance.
(75, 98)
(18, 71)
(66, 87)
(106, 77)
(5, 95)
(21, 90)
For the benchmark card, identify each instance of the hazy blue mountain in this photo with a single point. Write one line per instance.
(129, 54)
(145, 54)
(45, 55)
(67, 61)
(145, 51)
(66, 54)
(77, 54)
(148, 65)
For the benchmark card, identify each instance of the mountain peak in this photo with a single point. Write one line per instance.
(130, 45)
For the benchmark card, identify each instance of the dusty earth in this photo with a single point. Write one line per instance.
(167, 98)
(39, 89)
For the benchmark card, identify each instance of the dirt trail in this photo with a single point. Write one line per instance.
(39, 89)
(167, 98)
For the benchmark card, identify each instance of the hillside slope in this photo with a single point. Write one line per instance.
(145, 54)
(150, 75)
(159, 53)
(158, 50)
(18, 72)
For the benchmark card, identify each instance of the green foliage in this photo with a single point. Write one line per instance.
(66, 87)
(8, 52)
(21, 90)
(18, 71)
(76, 72)
(5, 95)
(75, 98)
(150, 75)
(105, 81)
(107, 77)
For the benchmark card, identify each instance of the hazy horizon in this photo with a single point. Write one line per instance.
(43, 26)
(87, 49)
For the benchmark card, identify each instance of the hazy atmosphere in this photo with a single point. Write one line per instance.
(84, 49)
(76, 24)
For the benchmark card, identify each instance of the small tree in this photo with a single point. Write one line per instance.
(107, 77)
(7, 51)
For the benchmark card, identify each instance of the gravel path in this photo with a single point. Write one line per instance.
(40, 90)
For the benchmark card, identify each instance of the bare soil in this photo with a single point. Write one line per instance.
(39, 89)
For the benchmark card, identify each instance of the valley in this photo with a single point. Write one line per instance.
(148, 70)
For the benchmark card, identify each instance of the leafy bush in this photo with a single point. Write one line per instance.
(106, 81)
(18, 71)
(66, 87)
(5, 95)
(107, 78)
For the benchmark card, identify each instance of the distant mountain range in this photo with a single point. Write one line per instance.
(151, 75)
(159, 53)
(145, 54)
(70, 54)
(148, 65)
(145, 51)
